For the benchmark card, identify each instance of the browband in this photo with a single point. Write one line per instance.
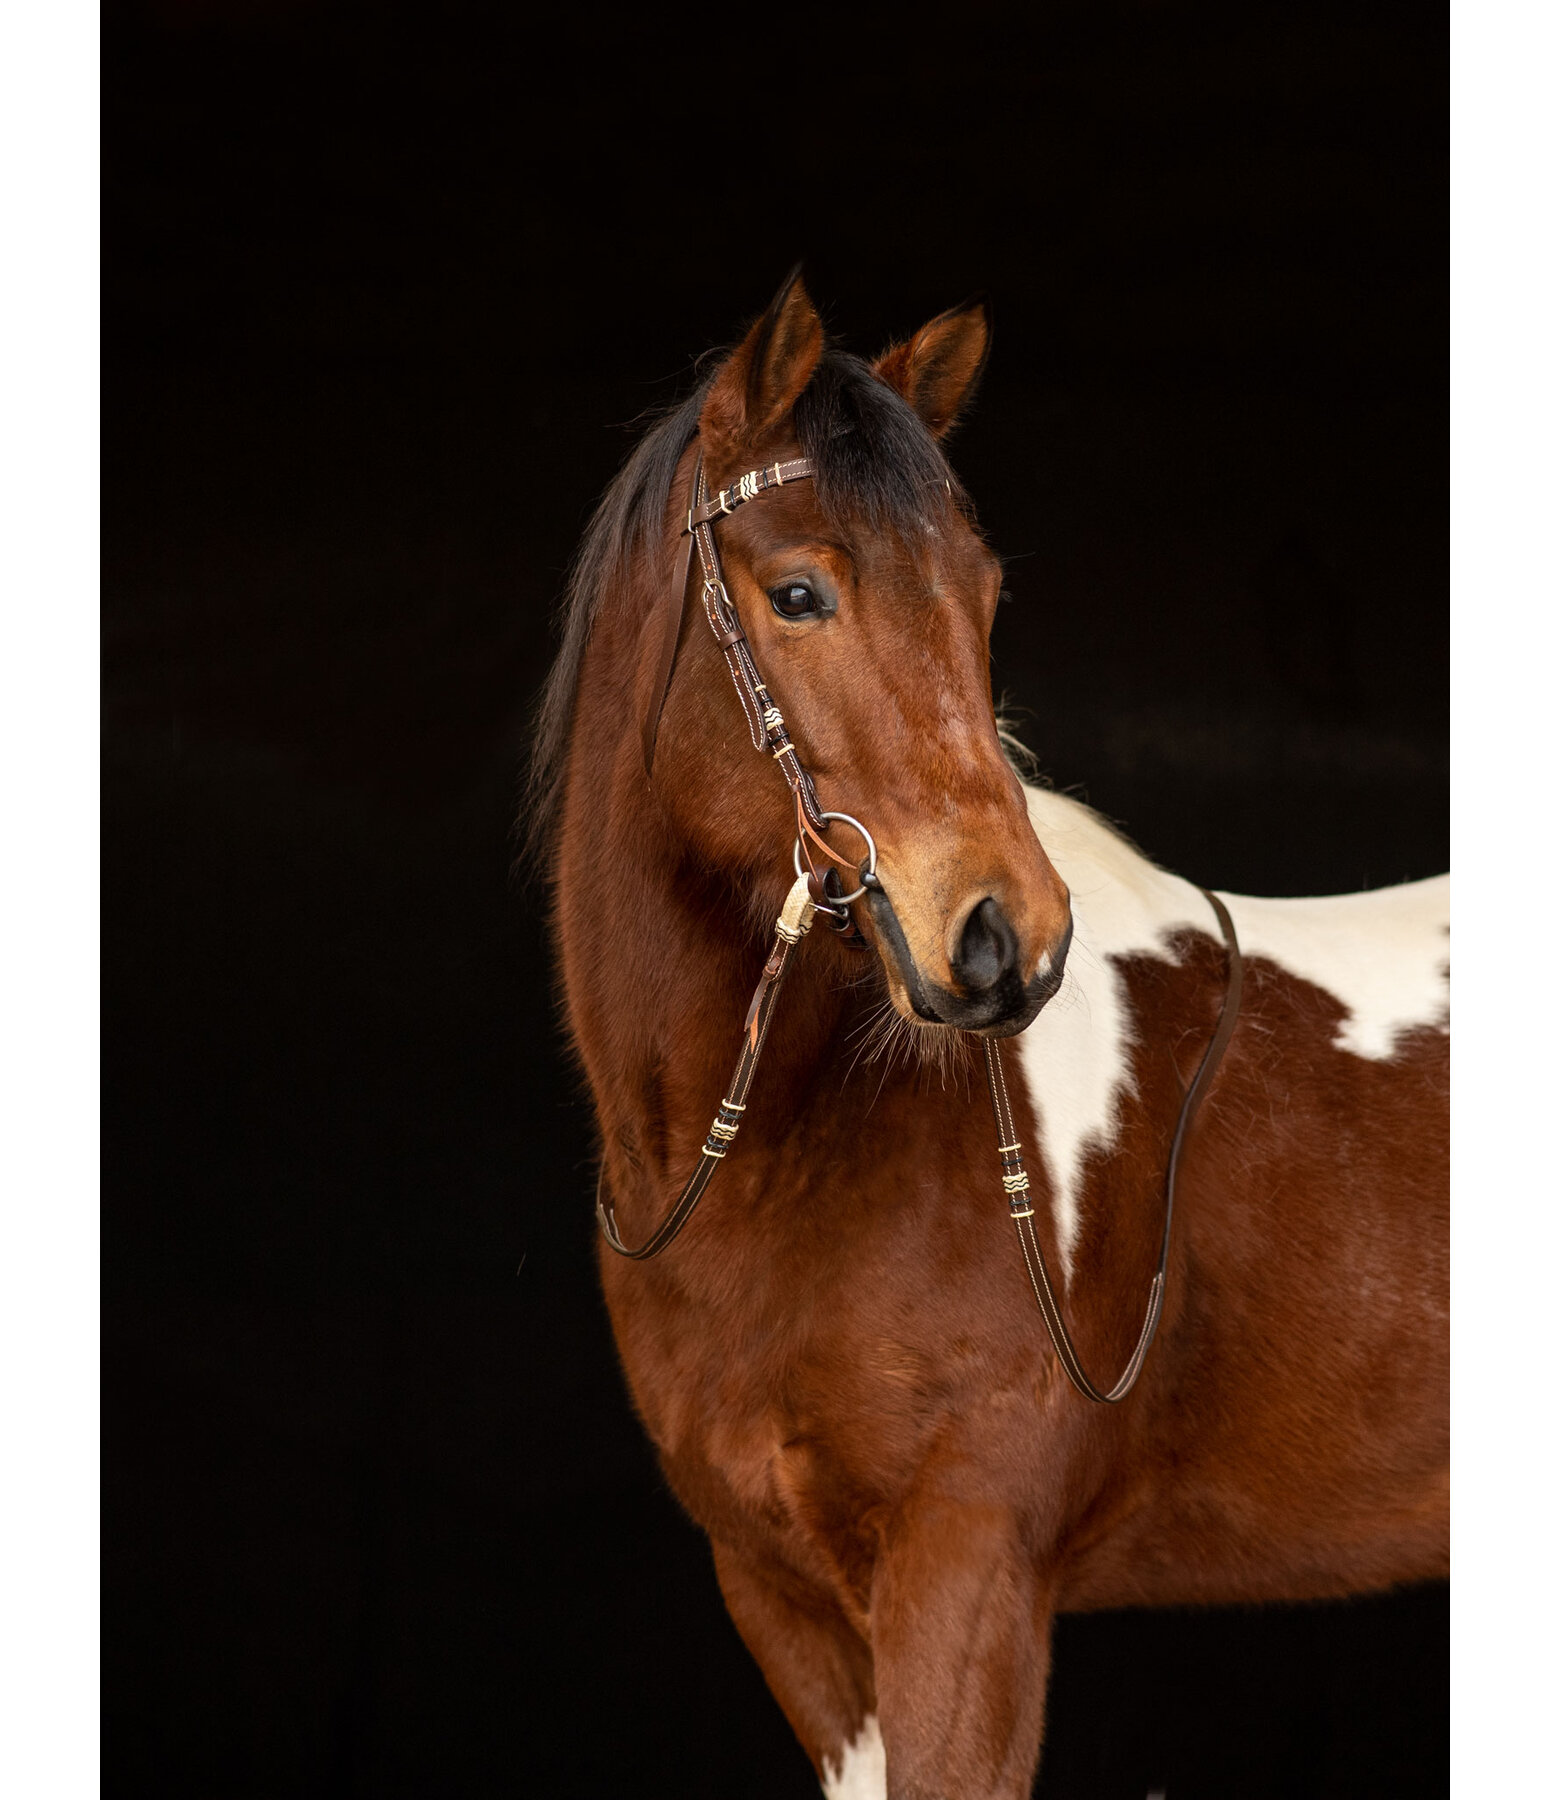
(748, 487)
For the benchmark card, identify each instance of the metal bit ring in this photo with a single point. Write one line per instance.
(868, 868)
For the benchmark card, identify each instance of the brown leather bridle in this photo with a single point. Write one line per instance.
(812, 893)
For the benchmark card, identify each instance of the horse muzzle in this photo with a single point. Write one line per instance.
(989, 993)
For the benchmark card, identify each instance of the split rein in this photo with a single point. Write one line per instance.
(813, 893)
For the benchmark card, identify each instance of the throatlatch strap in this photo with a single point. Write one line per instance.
(667, 656)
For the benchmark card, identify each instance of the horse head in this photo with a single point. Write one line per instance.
(866, 595)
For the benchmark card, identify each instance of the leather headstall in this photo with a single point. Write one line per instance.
(766, 724)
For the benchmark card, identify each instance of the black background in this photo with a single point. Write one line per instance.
(381, 293)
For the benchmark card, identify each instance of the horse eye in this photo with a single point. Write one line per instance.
(794, 600)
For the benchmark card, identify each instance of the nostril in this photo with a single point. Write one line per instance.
(987, 949)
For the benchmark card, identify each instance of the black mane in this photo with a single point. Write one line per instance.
(874, 462)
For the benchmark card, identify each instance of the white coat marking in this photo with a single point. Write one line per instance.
(1382, 955)
(861, 1773)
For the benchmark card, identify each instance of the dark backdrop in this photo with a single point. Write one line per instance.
(382, 295)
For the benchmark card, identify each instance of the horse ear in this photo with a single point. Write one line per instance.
(760, 381)
(940, 367)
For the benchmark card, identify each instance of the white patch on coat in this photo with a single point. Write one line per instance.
(861, 1773)
(1383, 955)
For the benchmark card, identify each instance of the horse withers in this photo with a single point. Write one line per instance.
(839, 1360)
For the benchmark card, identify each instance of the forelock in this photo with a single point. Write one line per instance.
(874, 462)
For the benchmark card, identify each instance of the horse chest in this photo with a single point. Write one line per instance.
(794, 1438)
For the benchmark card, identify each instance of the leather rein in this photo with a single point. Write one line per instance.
(814, 892)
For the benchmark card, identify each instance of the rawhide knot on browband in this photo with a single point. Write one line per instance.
(747, 487)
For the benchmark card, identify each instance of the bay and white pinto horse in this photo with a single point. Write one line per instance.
(840, 1361)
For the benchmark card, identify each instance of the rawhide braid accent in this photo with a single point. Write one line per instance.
(747, 487)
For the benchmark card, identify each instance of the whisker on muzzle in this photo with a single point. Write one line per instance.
(884, 1036)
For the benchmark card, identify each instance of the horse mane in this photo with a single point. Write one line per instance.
(874, 462)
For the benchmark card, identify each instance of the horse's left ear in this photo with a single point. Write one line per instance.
(763, 378)
(939, 368)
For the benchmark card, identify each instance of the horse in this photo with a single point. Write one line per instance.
(838, 1359)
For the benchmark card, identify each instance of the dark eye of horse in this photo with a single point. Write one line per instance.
(794, 600)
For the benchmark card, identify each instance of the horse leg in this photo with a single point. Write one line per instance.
(817, 1667)
(960, 1640)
